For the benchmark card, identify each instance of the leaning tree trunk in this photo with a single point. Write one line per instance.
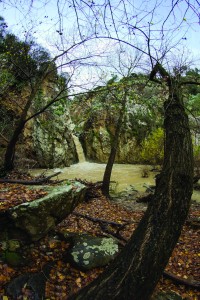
(135, 272)
(10, 150)
(111, 159)
(108, 170)
(114, 145)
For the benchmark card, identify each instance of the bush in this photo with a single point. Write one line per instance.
(196, 150)
(153, 147)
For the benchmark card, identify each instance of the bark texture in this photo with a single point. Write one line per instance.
(135, 272)
(109, 166)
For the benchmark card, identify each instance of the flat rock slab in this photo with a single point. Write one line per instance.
(38, 217)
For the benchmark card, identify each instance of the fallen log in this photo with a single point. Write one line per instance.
(93, 189)
(121, 226)
(104, 225)
(37, 181)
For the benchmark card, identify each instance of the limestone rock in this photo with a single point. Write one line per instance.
(36, 218)
(53, 142)
(96, 141)
(90, 252)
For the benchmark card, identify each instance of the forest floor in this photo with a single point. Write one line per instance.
(65, 279)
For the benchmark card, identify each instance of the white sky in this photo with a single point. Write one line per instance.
(41, 22)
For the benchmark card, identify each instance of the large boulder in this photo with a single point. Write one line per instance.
(38, 217)
(32, 284)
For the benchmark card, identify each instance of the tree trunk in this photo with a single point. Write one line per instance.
(108, 170)
(135, 272)
(10, 150)
(113, 151)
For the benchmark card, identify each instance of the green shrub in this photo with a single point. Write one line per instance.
(153, 147)
(196, 151)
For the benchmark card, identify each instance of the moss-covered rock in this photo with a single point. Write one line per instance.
(36, 218)
(90, 252)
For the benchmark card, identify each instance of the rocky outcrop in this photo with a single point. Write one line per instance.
(46, 140)
(97, 136)
(53, 141)
(34, 219)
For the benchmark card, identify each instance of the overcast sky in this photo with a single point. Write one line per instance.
(40, 20)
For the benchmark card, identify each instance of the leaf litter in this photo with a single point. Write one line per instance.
(64, 279)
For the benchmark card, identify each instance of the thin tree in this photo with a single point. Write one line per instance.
(120, 92)
(114, 144)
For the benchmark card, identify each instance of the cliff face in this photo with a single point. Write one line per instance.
(47, 139)
(53, 141)
(102, 108)
(97, 137)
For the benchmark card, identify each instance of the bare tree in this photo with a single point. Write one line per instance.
(123, 66)
(135, 272)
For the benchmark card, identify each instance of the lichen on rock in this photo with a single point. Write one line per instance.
(90, 252)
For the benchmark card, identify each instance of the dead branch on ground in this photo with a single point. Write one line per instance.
(38, 181)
